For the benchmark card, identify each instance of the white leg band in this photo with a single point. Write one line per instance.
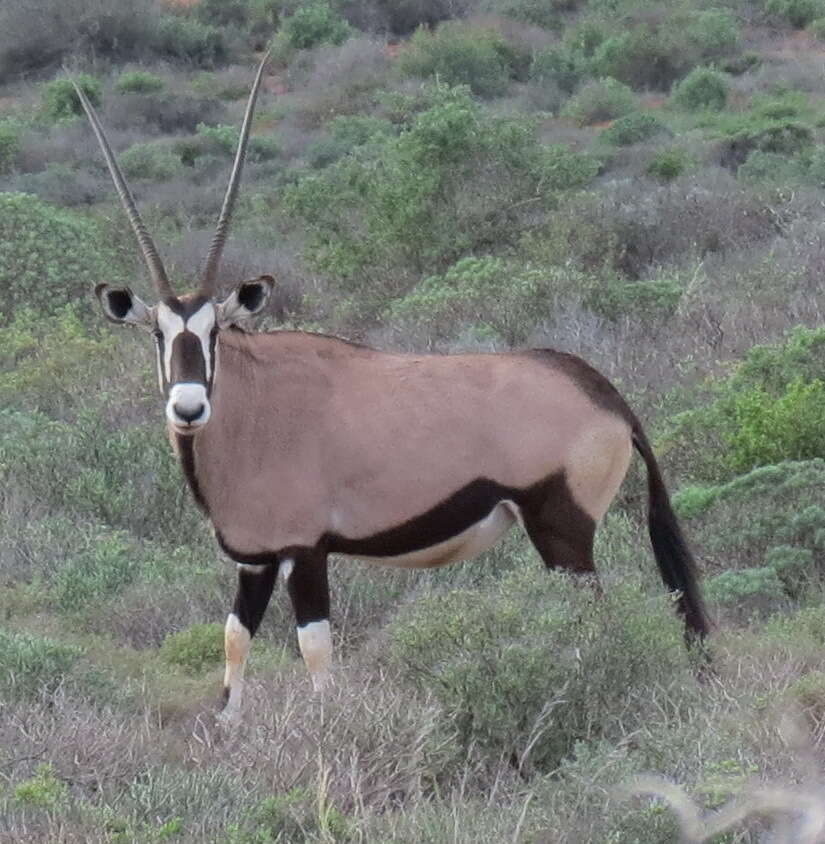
(315, 642)
(237, 641)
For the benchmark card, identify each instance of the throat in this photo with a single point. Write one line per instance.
(185, 448)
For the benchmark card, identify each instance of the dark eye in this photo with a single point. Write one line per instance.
(158, 335)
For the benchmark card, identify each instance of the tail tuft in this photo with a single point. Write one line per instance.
(676, 563)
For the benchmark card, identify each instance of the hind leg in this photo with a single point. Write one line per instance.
(561, 531)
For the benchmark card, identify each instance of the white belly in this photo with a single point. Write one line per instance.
(463, 546)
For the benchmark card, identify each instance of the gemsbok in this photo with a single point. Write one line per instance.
(299, 445)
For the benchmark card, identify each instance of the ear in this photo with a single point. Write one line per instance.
(246, 300)
(122, 306)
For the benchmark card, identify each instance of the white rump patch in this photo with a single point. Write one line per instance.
(315, 642)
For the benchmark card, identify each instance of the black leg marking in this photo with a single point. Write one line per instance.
(561, 531)
(308, 585)
(252, 597)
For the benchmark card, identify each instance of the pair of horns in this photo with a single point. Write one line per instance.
(147, 245)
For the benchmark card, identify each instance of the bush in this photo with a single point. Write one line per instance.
(640, 58)
(560, 66)
(745, 586)
(152, 161)
(817, 28)
(770, 168)
(769, 429)
(33, 38)
(223, 140)
(774, 382)
(713, 31)
(669, 164)
(50, 255)
(797, 13)
(32, 664)
(139, 82)
(485, 294)
(659, 49)
(644, 300)
(786, 137)
(633, 128)
(460, 54)
(702, 88)
(314, 24)
(196, 649)
(60, 100)
(43, 791)
(600, 100)
(528, 670)
(450, 183)
(186, 39)
(9, 145)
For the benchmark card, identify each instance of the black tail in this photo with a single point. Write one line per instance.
(676, 563)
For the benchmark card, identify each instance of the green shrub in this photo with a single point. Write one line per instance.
(50, 255)
(88, 468)
(406, 206)
(223, 140)
(486, 294)
(644, 300)
(702, 88)
(529, 669)
(543, 13)
(9, 145)
(770, 168)
(31, 664)
(184, 38)
(459, 54)
(797, 13)
(196, 649)
(735, 588)
(139, 82)
(726, 435)
(768, 429)
(713, 31)
(633, 128)
(60, 100)
(43, 791)
(669, 164)
(152, 161)
(817, 28)
(599, 100)
(639, 57)
(785, 137)
(357, 129)
(105, 567)
(794, 566)
(808, 694)
(560, 66)
(313, 24)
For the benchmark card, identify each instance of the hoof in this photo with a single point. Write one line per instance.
(229, 716)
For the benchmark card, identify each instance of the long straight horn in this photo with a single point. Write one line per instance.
(147, 245)
(213, 259)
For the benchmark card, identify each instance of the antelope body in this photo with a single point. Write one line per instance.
(299, 445)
